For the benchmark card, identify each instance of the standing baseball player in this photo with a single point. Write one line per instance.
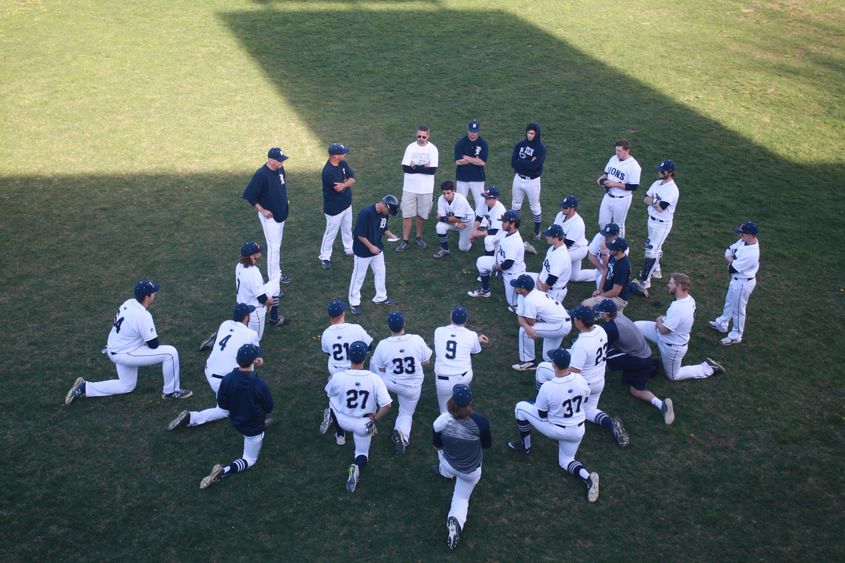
(453, 214)
(509, 260)
(369, 251)
(661, 199)
(471, 154)
(615, 283)
(488, 220)
(338, 180)
(251, 289)
(454, 345)
(248, 400)
(743, 258)
(629, 353)
(539, 316)
(671, 333)
(574, 236)
(267, 192)
(399, 360)
(231, 335)
(358, 400)
(527, 162)
(133, 342)
(419, 165)
(588, 357)
(459, 435)
(558, 413)
(555, 273)
(620, 179)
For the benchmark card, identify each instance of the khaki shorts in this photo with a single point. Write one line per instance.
(416, 205)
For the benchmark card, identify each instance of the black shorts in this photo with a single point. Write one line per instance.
(635, 371)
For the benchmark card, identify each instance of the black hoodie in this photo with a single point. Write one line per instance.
(528, 156)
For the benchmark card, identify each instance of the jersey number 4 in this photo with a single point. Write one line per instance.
(117, 324)
(404, 365)
(352, 396)
(223, 342)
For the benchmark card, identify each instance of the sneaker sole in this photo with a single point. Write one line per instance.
(327, 420)
(179, 421)
(212, 477)
(718, 369)
(472, 294)
(454, 532)
(593, 492)
(351, 483)
(398, 443)
(621, 435)
(669, 415)
(71, 394)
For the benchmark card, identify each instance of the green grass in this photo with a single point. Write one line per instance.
(131, 128)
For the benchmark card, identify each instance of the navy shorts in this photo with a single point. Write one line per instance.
(635, 371)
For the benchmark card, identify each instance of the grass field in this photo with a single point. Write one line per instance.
(131, 128)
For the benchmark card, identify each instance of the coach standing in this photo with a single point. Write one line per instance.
(338, 178)
(369, 251)
(267, 192)
(470, 158)
(419, 165)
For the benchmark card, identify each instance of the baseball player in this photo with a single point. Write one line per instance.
(358, 400)
(620, 178)
(471, 154)
(369, 251)
(460, 435)
(248, 400)
(629, 353)
(554, 275)
(615, 283)
(527, 162)
(509, 260)
(454, 345)
(671, 333)
(338, 180)
(399, 360)
(588, 357)
(453, 214)
(662, 200)
(743, 258)
(231, 335)
(598, 255)
(488, 220)
(251, 289)
(267, 192)
(558, 413)
(539, 316)
(419, 165)
(574, 236)
(133, 342)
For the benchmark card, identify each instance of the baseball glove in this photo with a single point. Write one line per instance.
(371, 428)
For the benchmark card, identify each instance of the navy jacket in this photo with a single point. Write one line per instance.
(528, 157)
(336, 202)
(268, 189)
(248, 400)
(370, 225)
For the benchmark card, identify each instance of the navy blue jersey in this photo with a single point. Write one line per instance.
(335, 202)
(528, 156)
(476, 148)
(370, 225)
(248, 400)
(268, 189)
(618, 273)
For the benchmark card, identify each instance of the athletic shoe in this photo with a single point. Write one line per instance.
(728, 341)
(668, 411)
(637, 287)
(213, 477)
(208, 342)
(76, 390)
(326, 264)
(352, 479)
(285, 279)
(536, 236)
(519, 447)
(182, 419)
(454, 532)
(340, 439)
(619, 432)
(441, 252)
(593, 487)
(327, 420)
(178, 394)
(525, 366)
(402, 246)
(421, 243)
(399, 442)
(387, 301)
(646, 284)
(714, 325)
(529, 248)
(512, 310)
(658, 275)
(479, 293)
(281, 321)
(718, 369)
(355, 309)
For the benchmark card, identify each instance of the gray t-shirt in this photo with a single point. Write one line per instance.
(630, 340)
(461, 440)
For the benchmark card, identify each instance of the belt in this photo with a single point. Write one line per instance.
(446, 377)
(617, 196)
(668, 344)
(737, 278)
(215, 376)
(524, 177)
(562, 426)
(656, 219)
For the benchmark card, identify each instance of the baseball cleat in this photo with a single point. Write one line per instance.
(715, 326)
(178, 394)
(352, 479)
(399, 442)
(454, 532)
(479, 293)
(619, 432)
(327, 420)
(208, 342)
(76, 390)
(340, 439)
(285, 279)
(355, 309)
(326, 264)
(668, 411)
(182, 419)
(402, 246)
(213, 477)
(529, 248)
(281, 321)
(525, 366)
(536, 236)
(421, 243)
(729, 341)
(658, 275)
(387, 301)
(717, 368)
(441, 252)
(593, 487)
(519, 447)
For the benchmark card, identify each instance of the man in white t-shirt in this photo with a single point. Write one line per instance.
(419, 165)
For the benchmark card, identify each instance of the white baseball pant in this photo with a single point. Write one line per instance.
(568, 437)
(491, 242)
(526, 187)
(214, 413)
(358, 426)
(672, 355)
(443, 384)
(252, 449)
(577, 254)
(736, 300)
(551, 333)
(614, 209)
(544, 372)
(408, 396)
(485, 264)
(464, 485)
(558, 294)
(658, 232)
(342, 222)
(127, 364)
(464, 242)
(359, 272)
(273, 234)
(591, 406)
(477, 188)
(257, 320)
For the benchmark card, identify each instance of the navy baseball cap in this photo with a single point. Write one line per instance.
(511, 215)
(748, 228)
(554, 230)
(618, 245)
(248, 354)
(607, 306)
(241, 310)
(358, 352)
(569, 201)
(277, 154)
(461, 395)
(610, 230)
(336, 308)
(144, 288)
(250, 248)
(666, 166)
(474, 126)
(395, 321)
(337, 148)
(491, 192)
(560, 357)
(584, 314)
(524, 281)
(459, 315)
